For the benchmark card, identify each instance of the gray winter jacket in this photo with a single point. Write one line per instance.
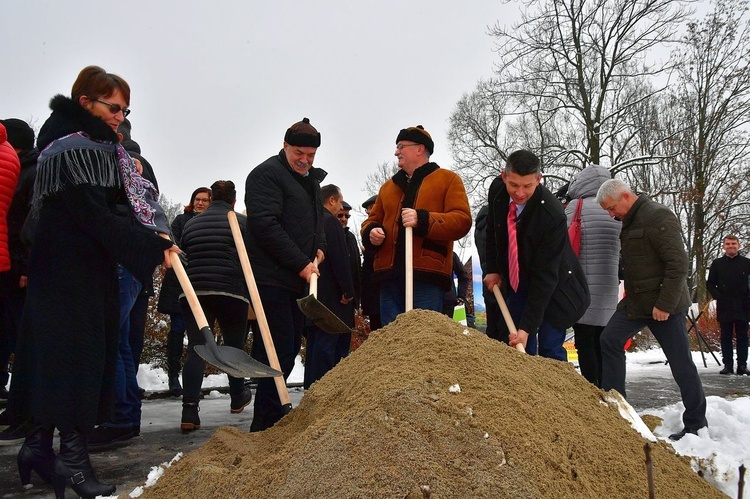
(600, 245)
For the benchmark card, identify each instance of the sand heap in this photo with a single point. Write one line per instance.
(390, 421)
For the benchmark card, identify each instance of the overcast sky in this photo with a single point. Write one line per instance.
(216, 84)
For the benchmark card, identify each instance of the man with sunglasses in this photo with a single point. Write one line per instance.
(284, 236)
(355, 258)
(432, 201)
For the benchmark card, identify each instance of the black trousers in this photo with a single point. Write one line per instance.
(285, 320)
(589, 351)
(728, 330)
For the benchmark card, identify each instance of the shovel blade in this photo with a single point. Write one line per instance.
(233, 361)
(321, 316)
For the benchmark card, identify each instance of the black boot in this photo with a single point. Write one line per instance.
(190, 419)
(728, 369)
(175, 388)
(73, 468)
(36, 454)
(742, 370)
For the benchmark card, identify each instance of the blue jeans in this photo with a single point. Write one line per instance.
(127, 397)
(550, 338)
(673, 338)
(393, 298)
(322, 353)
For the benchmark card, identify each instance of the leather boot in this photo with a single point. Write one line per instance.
(190, 419)
(36, 454)
(727, 369)
(73, 468)
(742, 370)
(175, 388)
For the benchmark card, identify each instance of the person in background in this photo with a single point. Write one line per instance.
(335, 291)
(655, 270)
(170, 292)
(370, 288)
(492, 308)
(13, 281)
(728, 284)
(529, 256)
(452, 298)
(284, 236)
(600, 258)
(66, 356)
(432, 201)
(355, 260)
(216, 275)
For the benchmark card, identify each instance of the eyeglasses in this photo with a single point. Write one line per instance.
(202, 200)
(115, 108)
(401, 146)
(342, 215)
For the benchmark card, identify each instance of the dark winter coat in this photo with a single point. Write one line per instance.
(213, 263)
(654, 261)
(335, 278)
(548, 268)
(169, 293)
(600, 245)
(728, 284)
(355, 262)
(19, 210)
(66, 353)
(443, 216)
(10, 167)
(284, 222)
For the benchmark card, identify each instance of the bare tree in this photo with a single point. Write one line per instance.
(713, 98)
(375, 180)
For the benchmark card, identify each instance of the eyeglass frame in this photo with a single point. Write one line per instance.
(115, 108)
(401, 146)
(342, 215)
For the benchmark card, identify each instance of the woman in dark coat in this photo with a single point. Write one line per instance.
(67, 350)
(170, 292)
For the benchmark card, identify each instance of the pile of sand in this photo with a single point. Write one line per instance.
(389, 421)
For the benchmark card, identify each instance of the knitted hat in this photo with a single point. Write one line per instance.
(345, 205)
(20, 134)
(370, 201)
(416, 134)
(302, 134)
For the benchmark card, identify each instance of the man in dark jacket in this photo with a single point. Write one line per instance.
(370, 287)
(285, 234)
(355, 258)
(492, 309)
(654, 267)
(727, 283)
(529, 256)
(335, 291)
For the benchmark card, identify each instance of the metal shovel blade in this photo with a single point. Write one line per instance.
(233, 361)
(321, 316)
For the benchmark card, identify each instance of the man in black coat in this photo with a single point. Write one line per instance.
(335, 291)
(727, 283)
(355, 258)
(551, 293)
(370, 288)
(285, 234)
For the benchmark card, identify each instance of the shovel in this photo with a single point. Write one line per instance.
(233, 361)
(319, 313)
(506, 315)
(265, 331)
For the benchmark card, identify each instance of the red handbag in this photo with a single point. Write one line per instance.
(574, 231)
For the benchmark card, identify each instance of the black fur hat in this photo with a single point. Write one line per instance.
(416, 134)
(302, 134)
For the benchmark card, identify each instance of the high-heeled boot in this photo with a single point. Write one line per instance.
(36, 454)
(73, 468)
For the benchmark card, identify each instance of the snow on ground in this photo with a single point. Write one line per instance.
(717, 451)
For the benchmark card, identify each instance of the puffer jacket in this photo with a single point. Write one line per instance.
(654, 261)
(443, 216)
(213, 264)
(600, 244)
(10, 168)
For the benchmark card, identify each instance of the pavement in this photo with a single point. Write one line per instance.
(128, 464)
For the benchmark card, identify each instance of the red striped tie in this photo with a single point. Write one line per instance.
(512, 247)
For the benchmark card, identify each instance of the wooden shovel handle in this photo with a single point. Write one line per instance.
(265, 331)
(506, 315)
(409, 257)
(314, 280)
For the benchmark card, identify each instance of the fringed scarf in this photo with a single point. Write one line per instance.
(77, 159)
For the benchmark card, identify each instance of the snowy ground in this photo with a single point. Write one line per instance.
(718, 450)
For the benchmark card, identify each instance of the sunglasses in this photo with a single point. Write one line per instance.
(115, 108)
(342, 215)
